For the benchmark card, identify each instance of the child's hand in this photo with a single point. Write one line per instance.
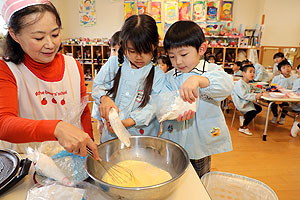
(186, 116)
(188, 90)
(258, 95)
(106, 104)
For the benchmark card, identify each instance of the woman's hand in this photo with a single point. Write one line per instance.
(74, 140)
(188, 90)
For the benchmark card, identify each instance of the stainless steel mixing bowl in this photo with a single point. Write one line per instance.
(159, 152)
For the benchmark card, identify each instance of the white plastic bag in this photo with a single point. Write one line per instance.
(118, 127)
(169, 105)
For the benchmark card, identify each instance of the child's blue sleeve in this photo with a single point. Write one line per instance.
(143, 116)
(103, 80)
(275, 79)
(220, 85)
(96, 112)
(296, 85)
(243, 93)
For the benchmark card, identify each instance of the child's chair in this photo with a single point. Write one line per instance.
(221, 185)
(240, 114)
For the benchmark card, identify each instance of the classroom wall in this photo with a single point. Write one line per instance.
(282, 19)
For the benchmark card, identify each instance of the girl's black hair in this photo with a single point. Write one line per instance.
(246, 62)
(211, 56)
(238, 63)
(182, 34)
(141, 31)
(245, 67)
(115, 39)
(13, 51)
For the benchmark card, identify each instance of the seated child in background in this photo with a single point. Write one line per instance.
(278, 57)
(243, 98)
(261, 73)
(206, 132)
(114, 47)
(296, 106)
(283, 80)
(236, 68)
(211, 58)
(164, 63)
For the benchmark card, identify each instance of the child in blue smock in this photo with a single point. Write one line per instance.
(205, 133)
(296, 106)
(261, 73)
(283, 80)
(114, 47)
(126, 81)
(243, 98)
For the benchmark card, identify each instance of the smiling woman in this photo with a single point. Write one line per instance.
(39, 87)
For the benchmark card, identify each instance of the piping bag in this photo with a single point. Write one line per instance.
(118, 127)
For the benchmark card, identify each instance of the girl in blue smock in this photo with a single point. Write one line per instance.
(126, 81)
(205, 133)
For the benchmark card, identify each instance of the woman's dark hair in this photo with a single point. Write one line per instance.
(115, 39)
(166, 60)
(283, 63)
(141, 31)
(13, 51)
(182, 34)
(245, 67)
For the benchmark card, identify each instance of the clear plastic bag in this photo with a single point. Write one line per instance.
(232, 186)
(169, 105)
(56, 191)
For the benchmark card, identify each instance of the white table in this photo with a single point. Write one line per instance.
(272, 100)
(190, 188)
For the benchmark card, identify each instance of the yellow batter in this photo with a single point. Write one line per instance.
(144, 174)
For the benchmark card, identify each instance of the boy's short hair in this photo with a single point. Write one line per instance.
(278, 55)
(245, 68)
(238, 63)
(246, 62)
(283, 63)
(182, 34)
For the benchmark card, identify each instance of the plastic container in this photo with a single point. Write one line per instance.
(223, 186)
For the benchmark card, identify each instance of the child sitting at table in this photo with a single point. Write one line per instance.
(296, 106)
(278, 57)
(283, 80)
(261, 73)
(236, 68)
(243, 98)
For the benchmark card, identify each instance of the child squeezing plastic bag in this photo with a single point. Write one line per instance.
(169, 105)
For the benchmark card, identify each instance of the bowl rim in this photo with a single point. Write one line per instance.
(147, 187)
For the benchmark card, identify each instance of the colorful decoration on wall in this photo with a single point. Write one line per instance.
(166, 27)
(199, 13)
(128, 8)
(142, 7)
(87, 13)
(184, 10)
(171, 11)
(212, 27)
(225, 27)
(226, 10)
(202, 26)
(212, 10)
(156, 11)
(159, 29)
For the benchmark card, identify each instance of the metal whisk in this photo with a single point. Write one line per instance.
(119, 174)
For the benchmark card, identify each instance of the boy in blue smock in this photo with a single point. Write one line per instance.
(205, 133)
(261, 74)
(283, 80)
(243, 98)
(126, 81)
